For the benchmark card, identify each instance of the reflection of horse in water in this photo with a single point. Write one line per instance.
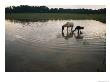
(68, 24)
(78, 35)
(68, 35)
(71, 34)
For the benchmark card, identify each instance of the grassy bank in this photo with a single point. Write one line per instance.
(54, 16)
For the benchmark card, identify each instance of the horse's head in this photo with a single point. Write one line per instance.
(82, 27)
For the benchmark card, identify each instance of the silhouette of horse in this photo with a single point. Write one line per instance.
(68, 24)
(78, 28)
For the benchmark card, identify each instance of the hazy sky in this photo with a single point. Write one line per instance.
(77, 6)
(52, 3)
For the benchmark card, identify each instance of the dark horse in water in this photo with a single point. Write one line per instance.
(69, 35)
(78, 28)
(70, 24)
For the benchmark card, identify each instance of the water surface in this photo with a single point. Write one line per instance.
(41, 46)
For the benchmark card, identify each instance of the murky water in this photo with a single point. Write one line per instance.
(41, 46)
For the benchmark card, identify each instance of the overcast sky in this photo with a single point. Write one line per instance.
(53, 3)
(77, 6)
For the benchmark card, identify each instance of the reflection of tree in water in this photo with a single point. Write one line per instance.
(26, 20)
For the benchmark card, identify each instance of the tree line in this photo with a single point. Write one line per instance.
(45, 9)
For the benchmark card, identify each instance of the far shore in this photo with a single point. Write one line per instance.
(54, 16)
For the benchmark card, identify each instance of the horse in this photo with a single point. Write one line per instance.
(68, 24)
(78, 28)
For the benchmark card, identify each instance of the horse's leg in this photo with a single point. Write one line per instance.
(63, 34)
(62, 29)
(67, 30)
(71, 28)
(78, 31)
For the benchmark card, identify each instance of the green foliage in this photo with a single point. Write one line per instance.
(45, 9)
(54, 16)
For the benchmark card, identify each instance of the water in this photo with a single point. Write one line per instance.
(41, 46)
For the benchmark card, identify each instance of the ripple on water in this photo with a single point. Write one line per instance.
(43, 43)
